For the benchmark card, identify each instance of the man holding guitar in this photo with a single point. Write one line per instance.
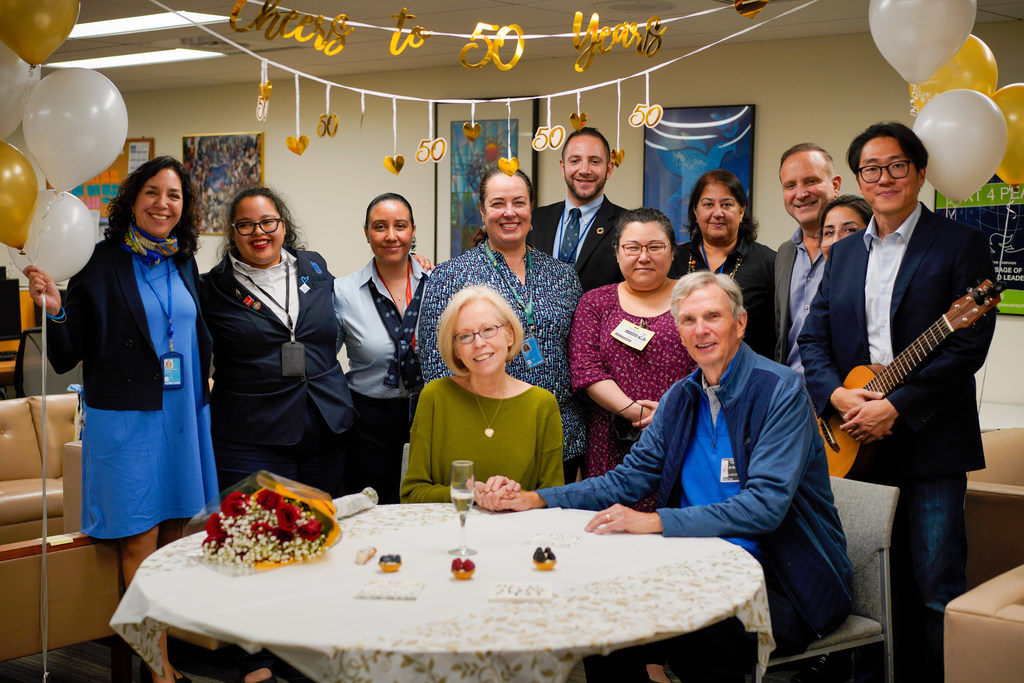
(892, 283)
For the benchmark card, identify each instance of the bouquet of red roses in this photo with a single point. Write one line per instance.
(267, 521)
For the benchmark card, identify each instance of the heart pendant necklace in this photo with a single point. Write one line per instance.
(488, 431)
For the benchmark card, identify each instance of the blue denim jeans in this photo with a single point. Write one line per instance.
(929, 560)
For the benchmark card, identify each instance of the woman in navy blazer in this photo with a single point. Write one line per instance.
(132, 319)
(280, 400)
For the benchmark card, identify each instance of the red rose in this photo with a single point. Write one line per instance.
(215, 533)
(261, 529)
(268, 499)
(311, 530)
(235, 504)
(287, 517)
(284, 535)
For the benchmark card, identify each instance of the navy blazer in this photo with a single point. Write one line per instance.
(107, 330)
(252, 402)
(596, 265)
(937, 431)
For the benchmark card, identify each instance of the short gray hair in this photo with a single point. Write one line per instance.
(690, 283)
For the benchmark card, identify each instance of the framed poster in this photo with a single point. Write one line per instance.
(996, 210)
(221, 165)
(458, 173)
(687, 142)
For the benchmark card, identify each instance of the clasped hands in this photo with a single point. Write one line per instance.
(867, 415)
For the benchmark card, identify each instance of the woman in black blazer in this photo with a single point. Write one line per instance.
(280, 401)
(131, 318)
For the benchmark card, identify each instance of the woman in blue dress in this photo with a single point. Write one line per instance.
(132, 319)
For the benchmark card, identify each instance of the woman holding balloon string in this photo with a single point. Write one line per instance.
(132, 319)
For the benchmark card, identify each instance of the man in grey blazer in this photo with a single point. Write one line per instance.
(809, 180)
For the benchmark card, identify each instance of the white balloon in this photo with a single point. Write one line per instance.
(965, 134)
(62, 236)
(75, 126)
(918, 37)
(16, 79)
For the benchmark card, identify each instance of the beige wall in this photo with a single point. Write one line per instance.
(817, 89)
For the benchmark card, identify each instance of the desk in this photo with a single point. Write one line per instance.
(609, 592)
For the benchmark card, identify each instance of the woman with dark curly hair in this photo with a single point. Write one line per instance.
(723, 238)
(131, 318)
(280, 400)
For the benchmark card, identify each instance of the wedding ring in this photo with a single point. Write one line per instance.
(607, 518)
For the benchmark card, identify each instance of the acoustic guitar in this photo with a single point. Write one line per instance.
(848, 457)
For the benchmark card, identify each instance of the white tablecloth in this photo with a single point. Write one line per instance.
(609, 592)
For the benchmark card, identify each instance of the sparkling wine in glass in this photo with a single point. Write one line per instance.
(463, 485)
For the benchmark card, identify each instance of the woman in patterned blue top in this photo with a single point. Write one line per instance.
(542, 290)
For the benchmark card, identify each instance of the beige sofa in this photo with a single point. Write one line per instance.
(984, 634)
(21, 464)
(995, 508)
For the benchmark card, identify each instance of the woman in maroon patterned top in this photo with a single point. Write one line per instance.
(624, 348)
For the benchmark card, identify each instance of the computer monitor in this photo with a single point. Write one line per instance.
(10, 309)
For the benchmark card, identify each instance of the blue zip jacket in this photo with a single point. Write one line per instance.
(785, 499)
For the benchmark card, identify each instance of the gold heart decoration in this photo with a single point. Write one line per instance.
(394, 164)
(471, 131)
(508, 166)
(578, 121)
(265, 90)
(298, 146)
(617, 156)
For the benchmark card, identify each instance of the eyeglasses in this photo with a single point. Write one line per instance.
(467, 337)
(872, 174)
(267, 225)
(653, 248)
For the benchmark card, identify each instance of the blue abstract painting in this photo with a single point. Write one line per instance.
(689, 141)
(469, 161)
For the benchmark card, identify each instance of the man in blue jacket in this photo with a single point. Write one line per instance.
(733, 451)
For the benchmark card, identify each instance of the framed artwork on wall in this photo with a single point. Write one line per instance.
(458, 173)
(221, 165)
(996, 210)
(686, 143)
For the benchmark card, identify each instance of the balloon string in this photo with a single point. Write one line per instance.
(44, 589)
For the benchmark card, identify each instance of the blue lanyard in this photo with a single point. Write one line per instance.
(571, 258)
(170, 302)
(708, 263)
(527, 306)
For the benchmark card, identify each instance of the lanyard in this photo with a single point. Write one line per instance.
(170, 303)
(583, 233)
(287, 296)
(527, 307)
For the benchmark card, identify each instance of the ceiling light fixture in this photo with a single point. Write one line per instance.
(137, 59)
(148, 22)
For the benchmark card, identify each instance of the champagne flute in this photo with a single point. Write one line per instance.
(463, 486)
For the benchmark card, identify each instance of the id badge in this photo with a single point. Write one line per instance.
(728, 473)
(532, 354)
(633, 336)
(171, 363)
(293, 359)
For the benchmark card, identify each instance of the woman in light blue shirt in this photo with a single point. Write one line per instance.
(378, 309)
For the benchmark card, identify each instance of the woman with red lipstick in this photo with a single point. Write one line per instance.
(378, 308)
(723, 238)
(504, 425)
(131, 318)
(624, 350)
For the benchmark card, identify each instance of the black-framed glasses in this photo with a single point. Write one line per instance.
(267, 225)
(467, 337)
(653, 248)
(897, 169)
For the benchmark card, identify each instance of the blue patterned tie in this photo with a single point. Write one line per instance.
(567, 252)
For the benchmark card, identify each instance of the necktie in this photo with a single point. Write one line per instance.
(567, 251)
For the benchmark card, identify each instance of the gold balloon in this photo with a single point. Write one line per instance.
(34, 29)
(18, 192)
(972, 68)
(1010, 100)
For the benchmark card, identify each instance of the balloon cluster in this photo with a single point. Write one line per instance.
(971, 129)
(75, 124)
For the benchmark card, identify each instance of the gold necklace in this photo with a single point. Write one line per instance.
(488, 432)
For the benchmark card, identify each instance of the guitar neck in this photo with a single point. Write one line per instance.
(902, 365)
